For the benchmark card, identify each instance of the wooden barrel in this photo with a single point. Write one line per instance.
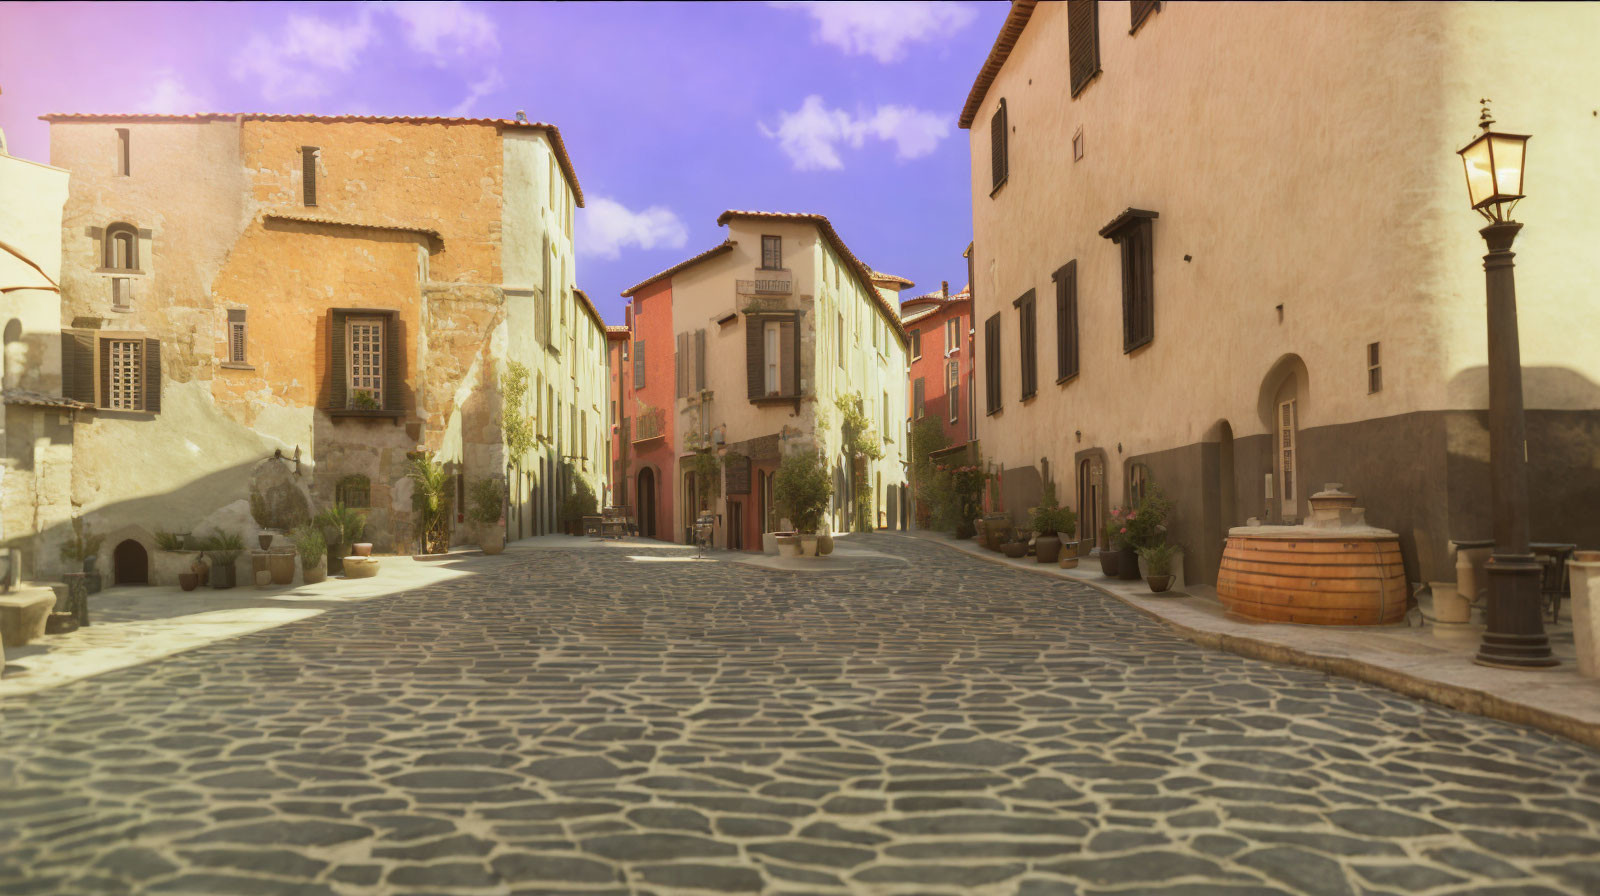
(1316, 581)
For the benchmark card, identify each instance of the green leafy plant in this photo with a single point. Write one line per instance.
(1116, 530)
(927, 436)
(860, 443)
(484, 501)
(82, 544)
(1146, 523)
(430, 501)
(223, 547)
(1050, 518)
(1158, 558)
(957, 495)
(168, 541)
(707, 476)
(310, 544)
(801, 489)
(516, 426)
(580, 502)
(341, 525)
(364, 400)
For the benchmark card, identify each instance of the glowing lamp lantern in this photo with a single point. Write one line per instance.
(1494, 163)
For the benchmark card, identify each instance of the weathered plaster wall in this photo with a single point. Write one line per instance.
(653, 313)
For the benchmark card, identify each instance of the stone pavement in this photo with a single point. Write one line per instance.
(590, 721)
(1419, 662)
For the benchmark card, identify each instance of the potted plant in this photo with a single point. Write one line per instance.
(801, 489)
(81, 551)
(1112, 553)
(313, 549)
(484, 501)
(430, 501)
(1050, 519)
(172, 561)
(581, 503)
(1017, 546)
(223, 550)
(341, 528)
(1158, 565)
(1146, 526)
(1122, 543)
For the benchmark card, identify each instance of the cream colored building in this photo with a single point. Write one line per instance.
(1232, 244)
(35, 419)
(286, 307)
(771, 330)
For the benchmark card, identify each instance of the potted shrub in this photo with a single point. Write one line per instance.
(223, 550)
(1146, 526)
(579, 504)
(172, 560)
(1017, 545)
(1158, 565)
(801, 490)
(1050, 519)
(430, 502)
(1111, 554)
(341, 528)
(312, 548)
(485, 499)
(81, 551)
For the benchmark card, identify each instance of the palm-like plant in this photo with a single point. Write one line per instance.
(430, 499)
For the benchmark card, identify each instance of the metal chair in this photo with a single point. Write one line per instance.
(1554, 583)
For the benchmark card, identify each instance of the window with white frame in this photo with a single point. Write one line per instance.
(366, 336)
(1286, 458)
(952, 388)
(773, 356)
(236, 336)
(952, 336)
(125, 375)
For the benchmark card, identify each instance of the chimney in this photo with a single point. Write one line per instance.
(944, 288)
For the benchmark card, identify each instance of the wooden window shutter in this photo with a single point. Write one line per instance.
(918, 397)
(394, 364)
(916, 344)
(1027, 343)
(789, 370)
(754, 355)
(152, 376)
(103, 395)
(638, 364)
(997, 145)
(236, 335)
(991, 361)
(1141, 10)
(338, 366)
(308, 173)
(681, 364)
(1067, 320)
(1083, 41)
(77, 367)
(699, 360)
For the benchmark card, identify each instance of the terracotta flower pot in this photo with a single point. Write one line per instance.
(280, 564)
(1158, 584)
(1047, 548)
(315, 574)
(188, 581)
(362, 549)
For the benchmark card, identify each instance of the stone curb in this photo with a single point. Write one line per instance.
(1465, 699)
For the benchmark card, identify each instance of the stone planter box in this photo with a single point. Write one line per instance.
(360, 567)
(166, 566)
(492, 541)
(23, 614)
(1584, 568)
(788, 545)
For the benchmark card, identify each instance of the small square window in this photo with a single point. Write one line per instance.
(1077, 145)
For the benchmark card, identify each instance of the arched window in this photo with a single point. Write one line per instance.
(122, 247)
(354, 491)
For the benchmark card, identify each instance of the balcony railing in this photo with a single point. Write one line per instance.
(766, 287)
(651, 424)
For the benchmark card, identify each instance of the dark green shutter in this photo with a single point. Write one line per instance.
(338, 367)
(1141, 10)
(699, 360)
(789, 374)
(77, 367)
(152, 375)
(394, 363)
(753, 360)
(1067, 320)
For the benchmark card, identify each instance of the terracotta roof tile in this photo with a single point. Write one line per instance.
(308, 219)
(1016, 20)
(551, 131)
(891, 278)
(724, 246)
(589, 306)
(39, 399)
(862, 273)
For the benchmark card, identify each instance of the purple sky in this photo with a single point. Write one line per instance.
(672, 112)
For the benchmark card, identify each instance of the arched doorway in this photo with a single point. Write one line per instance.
(1091, 485)
(646, 490)
(130, 564)
(1227, 495)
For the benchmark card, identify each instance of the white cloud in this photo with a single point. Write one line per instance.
(172, 96)
(446, 31)
(883, 30)
(295, 64)
(606, 227)
(490, 82)
(811, 135)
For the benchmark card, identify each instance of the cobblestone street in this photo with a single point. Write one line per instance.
(582, 721)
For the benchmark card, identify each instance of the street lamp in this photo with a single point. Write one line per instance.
(1515, 634)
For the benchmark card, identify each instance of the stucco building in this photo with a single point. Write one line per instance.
(35, 418)
(938, 387)
(335, 292)
(1227, 248)
(742, 352)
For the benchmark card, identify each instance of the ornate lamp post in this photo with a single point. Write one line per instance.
(1515, 634)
